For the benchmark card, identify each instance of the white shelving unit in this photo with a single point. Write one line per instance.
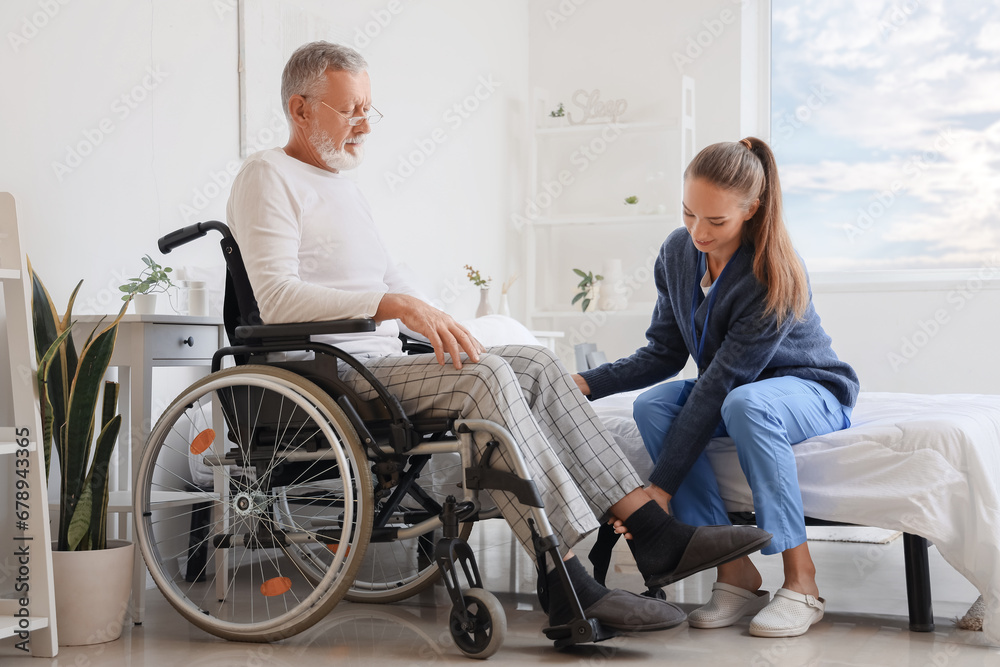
(572, 219)
(30, 512)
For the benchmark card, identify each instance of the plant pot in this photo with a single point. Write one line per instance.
(144, 304)
(92, 593)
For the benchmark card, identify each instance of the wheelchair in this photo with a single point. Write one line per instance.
(317, 494)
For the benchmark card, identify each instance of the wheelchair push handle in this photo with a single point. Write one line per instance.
(190, 233)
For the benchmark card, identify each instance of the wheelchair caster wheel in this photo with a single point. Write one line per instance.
(486, 628)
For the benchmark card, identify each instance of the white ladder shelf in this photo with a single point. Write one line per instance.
(33, 623)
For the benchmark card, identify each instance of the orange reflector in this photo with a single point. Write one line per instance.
(275, 586)
(333, 548)
(203, 441)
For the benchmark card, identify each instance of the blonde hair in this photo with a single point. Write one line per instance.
(747, 168)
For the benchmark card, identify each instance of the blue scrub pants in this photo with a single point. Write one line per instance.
(764, 419)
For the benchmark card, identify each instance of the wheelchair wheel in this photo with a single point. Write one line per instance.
(487, 628)
(397, 570)
(218, 555)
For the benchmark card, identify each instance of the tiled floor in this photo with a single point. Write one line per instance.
(865, 624)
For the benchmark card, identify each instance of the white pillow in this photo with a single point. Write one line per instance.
(493, 330)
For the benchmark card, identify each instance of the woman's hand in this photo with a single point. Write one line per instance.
(581, 384)
(620, 527)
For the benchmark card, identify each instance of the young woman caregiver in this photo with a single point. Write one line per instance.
(733, 294)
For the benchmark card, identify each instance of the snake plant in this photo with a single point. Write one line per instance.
(69, 389)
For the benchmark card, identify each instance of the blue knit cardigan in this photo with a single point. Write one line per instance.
(741, 346)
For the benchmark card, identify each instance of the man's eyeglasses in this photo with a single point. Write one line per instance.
(372, 116)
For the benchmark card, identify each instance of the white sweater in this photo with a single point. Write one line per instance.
(311, 249)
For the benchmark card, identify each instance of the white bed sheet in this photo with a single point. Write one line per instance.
(924, 464)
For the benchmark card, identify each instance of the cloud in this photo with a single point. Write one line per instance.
(912, 84)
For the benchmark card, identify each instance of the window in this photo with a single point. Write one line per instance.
(885, 121)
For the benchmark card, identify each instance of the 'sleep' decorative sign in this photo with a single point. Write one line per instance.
(593, 109)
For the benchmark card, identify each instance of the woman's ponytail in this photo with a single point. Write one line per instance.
(748, 167)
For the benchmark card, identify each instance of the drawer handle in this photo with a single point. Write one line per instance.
(189, 341)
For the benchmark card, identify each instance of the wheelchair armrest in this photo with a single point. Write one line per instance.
(302, 329)
(414, 346)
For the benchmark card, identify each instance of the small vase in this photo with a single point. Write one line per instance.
(594, 296)
(484, 303)
(504, 306)
(614, 296)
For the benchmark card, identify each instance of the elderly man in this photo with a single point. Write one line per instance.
(312, 252)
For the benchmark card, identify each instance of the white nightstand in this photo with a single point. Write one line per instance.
(146, 342)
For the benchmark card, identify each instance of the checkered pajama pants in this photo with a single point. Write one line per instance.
(576, 465)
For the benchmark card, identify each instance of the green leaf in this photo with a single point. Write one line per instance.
(586, 302)
(93, 365)
(578, 297)
(598, 277)
(579, 273)
(97, 479)
(53, 385)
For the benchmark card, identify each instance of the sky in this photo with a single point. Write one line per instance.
(886, 126)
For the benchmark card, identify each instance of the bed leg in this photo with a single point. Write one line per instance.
(918, 583)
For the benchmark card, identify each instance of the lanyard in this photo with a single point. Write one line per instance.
(699, 341)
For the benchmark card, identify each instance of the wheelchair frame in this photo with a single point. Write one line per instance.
(395, 446)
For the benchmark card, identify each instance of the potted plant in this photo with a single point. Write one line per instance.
(90, 608)
(557, 117)
(484, 290)
(632, 204)
(589, 289)
(153, 280)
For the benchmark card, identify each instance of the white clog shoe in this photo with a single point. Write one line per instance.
(727, 605)
(788, 615)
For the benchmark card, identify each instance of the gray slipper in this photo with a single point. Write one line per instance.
(626, 611)
(711, 546)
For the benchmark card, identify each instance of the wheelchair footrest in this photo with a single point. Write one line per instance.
(579, 631)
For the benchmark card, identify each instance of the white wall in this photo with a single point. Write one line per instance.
(916, 335)
(95, 221)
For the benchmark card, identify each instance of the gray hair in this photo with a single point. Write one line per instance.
(303, 74)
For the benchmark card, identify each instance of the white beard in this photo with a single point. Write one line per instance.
(338, 159)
